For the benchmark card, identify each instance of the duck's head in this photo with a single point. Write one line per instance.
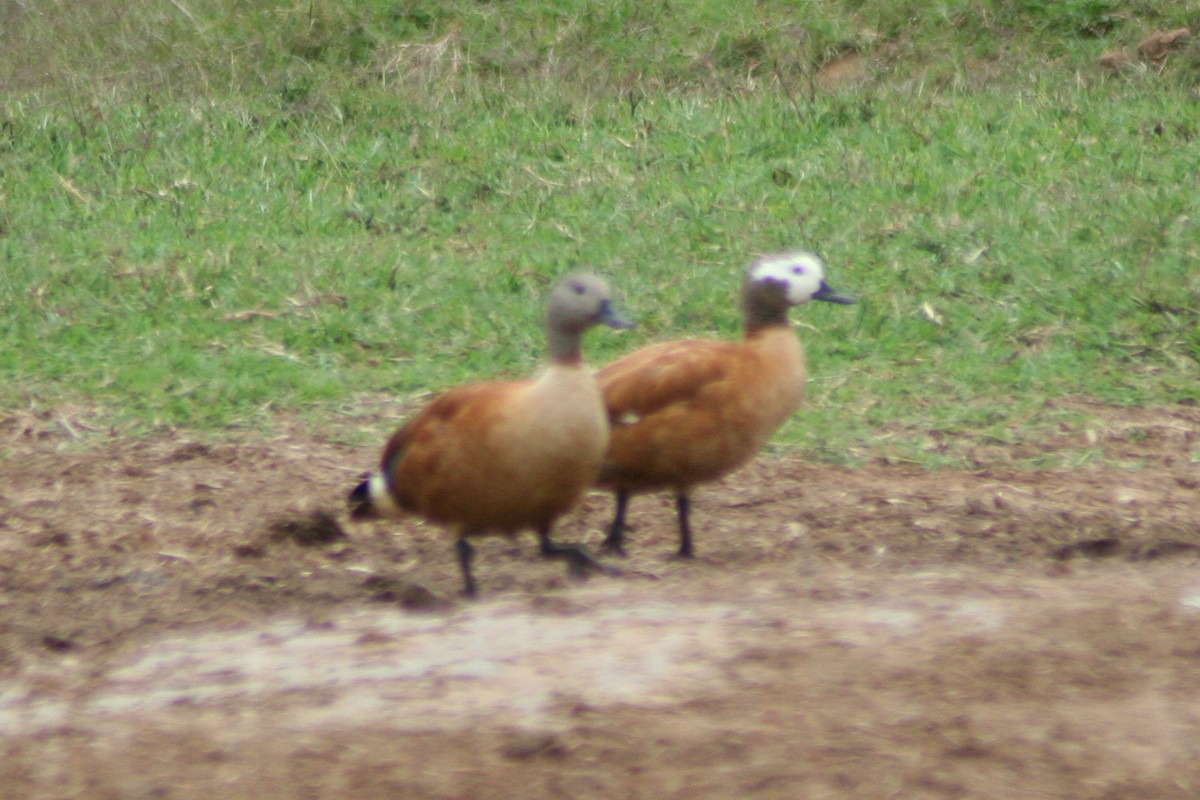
(775, 283)
(578, 302)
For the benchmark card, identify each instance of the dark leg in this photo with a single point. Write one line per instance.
(615, 541)
(683, 505)
(580, 561)
(464, 562)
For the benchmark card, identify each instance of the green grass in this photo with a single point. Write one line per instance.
(212, 214)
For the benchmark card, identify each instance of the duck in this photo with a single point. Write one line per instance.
(686, 412)
(496, 457)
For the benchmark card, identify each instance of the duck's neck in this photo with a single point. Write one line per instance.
(564, 347)
(757, 318)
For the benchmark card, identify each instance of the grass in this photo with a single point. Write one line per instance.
(212, 215)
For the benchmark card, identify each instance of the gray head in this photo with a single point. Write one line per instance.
(578, 302)
(773, 284)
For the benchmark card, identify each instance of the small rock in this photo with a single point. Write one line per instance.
(249, 550)
(57, 643)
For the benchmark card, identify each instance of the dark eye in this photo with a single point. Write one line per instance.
(797, 270)
(578, 288)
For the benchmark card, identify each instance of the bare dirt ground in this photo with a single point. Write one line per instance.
(168, 629)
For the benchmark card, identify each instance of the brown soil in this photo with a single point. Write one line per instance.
(183, 618)
(845, 70)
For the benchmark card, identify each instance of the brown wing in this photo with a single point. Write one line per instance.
(661, 376)
(422, 454)
(677, 413)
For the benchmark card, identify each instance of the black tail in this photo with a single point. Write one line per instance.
(360, 501)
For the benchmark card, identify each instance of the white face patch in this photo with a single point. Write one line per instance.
(801, 271)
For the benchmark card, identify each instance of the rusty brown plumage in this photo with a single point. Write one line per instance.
(496, 457)
(686, 412)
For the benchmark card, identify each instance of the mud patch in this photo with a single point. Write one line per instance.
(495, 661)
(876, 631)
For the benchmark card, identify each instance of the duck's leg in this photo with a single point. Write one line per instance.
(683, 506)
(615, 541)
(465, 551)
(580, 561)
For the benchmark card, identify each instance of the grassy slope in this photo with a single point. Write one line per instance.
(210, 213)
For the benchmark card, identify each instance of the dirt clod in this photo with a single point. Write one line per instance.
(309, 528)
(524, 745)
(1158, 44)
(408, 594)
